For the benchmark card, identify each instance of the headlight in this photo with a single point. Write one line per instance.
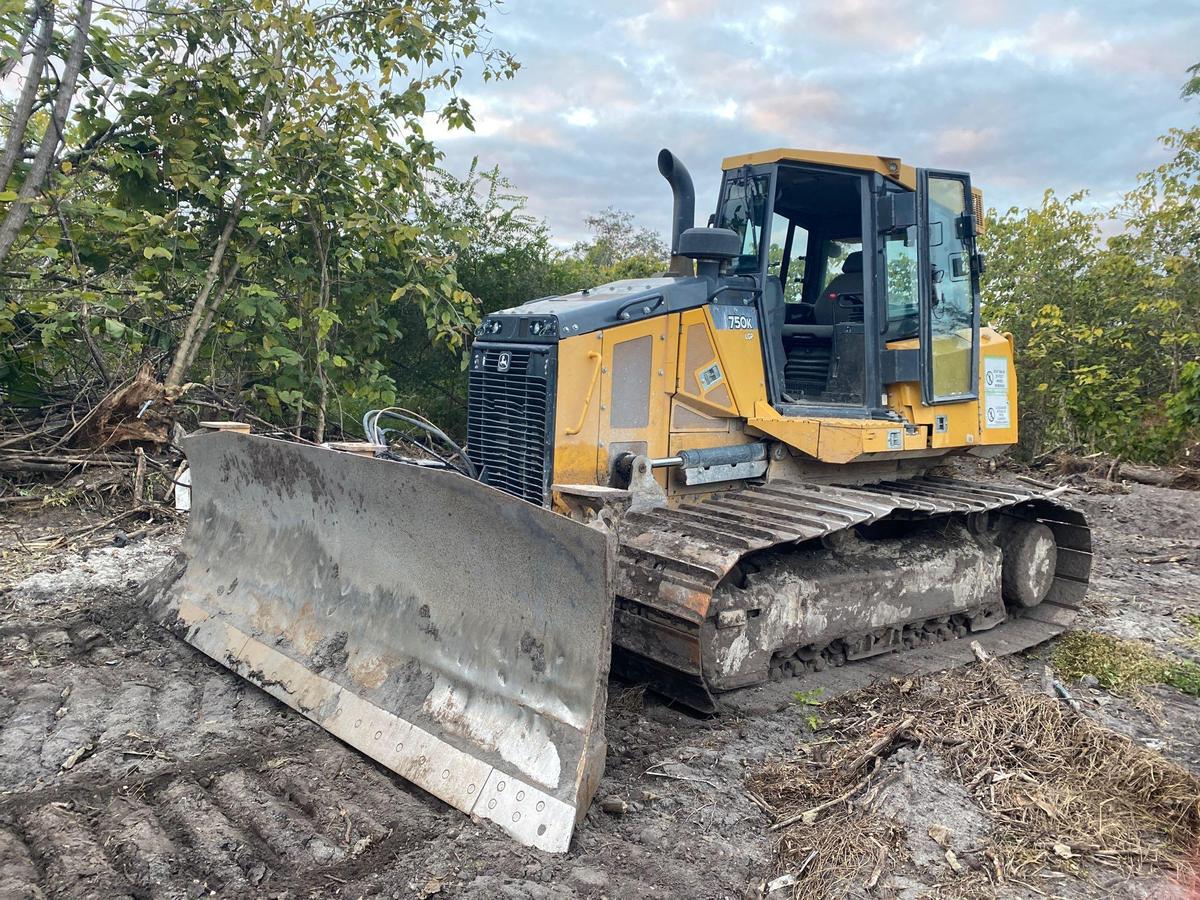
(539, 327)
(492, 326)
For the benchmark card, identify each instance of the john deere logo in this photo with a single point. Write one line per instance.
(503, 362)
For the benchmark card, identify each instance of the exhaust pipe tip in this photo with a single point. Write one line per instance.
(683, 214)
(666, 163)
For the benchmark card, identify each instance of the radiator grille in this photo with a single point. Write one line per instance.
(510, 413)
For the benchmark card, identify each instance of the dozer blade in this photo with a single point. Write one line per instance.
(455, 634)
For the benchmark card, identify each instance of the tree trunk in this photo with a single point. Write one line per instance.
(322, 239)
(201, 317)
(322, 404)
(230, 274)
(19, 211)
(15, 141)
(186, 351)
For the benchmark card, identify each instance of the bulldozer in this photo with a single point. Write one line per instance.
(734, 473)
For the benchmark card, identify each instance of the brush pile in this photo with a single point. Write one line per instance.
(1066, 797)
(99, 435)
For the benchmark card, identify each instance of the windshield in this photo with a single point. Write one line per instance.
(744, 210)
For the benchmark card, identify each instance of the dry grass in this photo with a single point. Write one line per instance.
(630, 699)
(1046, 776)
(850, 847)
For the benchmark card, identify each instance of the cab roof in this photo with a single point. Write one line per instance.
(888, 166)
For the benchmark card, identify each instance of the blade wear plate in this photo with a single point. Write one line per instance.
(455, 634)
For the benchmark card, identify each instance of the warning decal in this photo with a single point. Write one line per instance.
(710, 376)
(995, 392)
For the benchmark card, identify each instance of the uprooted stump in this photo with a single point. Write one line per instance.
(138, 412)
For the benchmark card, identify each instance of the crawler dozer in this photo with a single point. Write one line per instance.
(733, 473)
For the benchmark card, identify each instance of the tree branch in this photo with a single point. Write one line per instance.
(34, 180)
(85, 312)
(14, 144)
(31, 19)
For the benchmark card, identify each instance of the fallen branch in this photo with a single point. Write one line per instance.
(6, 500)
(809, 816)
(880, 744)
(78, 534)
(139, 477)
(691, 778)
(1151, 475)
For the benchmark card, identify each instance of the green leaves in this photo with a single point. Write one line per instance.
(1107, 330)
(279, 119)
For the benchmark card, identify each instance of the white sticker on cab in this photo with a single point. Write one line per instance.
(996, 412)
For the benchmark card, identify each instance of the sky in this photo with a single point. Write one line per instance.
(1025, 95)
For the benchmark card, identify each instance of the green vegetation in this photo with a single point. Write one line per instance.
(810, 698)
(1107, 330)
(244, 196)
(1192, 641)
(508, 260)
(1122, 666)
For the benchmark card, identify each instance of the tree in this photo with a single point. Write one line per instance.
(1160, 253)
(616, 239)
(54, 133)
(250, 201)
(1045, 284)
(1107, 331)
(504, 257)
(1191, 87)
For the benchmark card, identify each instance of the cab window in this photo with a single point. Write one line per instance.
(900, 273)
(791, 274)
(744, 210)
(840, 260)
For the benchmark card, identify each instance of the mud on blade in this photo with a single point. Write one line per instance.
(455, 634)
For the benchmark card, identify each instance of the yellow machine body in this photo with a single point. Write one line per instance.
(636, 388)
(710, 479)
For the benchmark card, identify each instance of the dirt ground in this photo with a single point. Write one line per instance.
(132, 766)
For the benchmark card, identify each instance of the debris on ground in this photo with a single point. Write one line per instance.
(1122, 665)
(974, 784)
(1059, 790)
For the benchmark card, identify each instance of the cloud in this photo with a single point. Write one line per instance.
(1024, 95)
(581, 117)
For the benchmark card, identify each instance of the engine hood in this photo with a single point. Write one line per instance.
(597, 308)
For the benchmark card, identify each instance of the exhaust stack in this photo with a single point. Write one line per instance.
(683, 214)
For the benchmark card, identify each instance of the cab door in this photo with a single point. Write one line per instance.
(948, 287)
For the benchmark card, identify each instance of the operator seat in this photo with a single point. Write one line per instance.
(827, 311)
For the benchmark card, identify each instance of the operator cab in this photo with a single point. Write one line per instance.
(832, 240)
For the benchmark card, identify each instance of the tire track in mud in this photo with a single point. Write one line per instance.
(243, 827)
(183, 780)
(19, 876)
